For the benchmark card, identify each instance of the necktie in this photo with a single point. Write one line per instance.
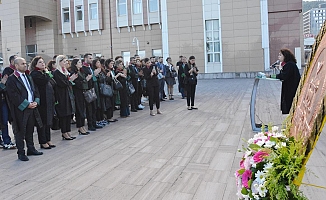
(27, 83)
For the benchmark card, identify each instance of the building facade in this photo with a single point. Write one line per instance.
(314, 19)
(223, 35)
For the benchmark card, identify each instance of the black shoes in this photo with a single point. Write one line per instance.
(34, 153)
(98, 126)
(133, 110)
(81, 133)
(23, 157)
(91, 129)
(66, 138)
(194, 108)
(42, 147)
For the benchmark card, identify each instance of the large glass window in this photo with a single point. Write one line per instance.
(153, 5)
(141, 53)
(31, 51)
(79, 13)
(65, 13)
(122, 7)
(157, 52)
(213, 45)
(137, 6)
(126, 57)
(93, 10)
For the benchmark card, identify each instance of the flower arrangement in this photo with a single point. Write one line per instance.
(270, 164)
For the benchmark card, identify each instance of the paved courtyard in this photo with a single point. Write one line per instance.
(180, 155)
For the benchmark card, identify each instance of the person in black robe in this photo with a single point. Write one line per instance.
(152, 85)
(24, 99)
(41, 77)
(290, 77)
(121, 75)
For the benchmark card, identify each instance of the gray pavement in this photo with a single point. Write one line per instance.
(179, 155)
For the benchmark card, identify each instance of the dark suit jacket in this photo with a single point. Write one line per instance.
(18, 97)
(87, 71)
(151, 81)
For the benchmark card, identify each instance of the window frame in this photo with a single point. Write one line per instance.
(65, 11)
(120, 6)
(150, 6)
(140, 5)
(91, 9)
(79, 9)
(214, 32)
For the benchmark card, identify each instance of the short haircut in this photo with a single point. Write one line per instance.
(132, 58)
(17, 60)
(12, 58)
(86, 55)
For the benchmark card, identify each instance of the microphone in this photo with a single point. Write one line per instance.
(275, 63)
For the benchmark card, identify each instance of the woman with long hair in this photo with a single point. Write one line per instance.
(64, 106)
(42, 79)
(109, 70)
(190, 81)
(78, 88)
(152, 85)
(121, 75)
(290, 77)
(171, 73)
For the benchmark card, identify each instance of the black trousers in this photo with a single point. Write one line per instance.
(80, 120)
(44, 134)
(140, 93)
(191, 90)
(154, 96)
(65, 124)
(27, 134)
(91, 114)
(134, 98)
(99, 114)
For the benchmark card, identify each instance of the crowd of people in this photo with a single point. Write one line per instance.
(88, 90)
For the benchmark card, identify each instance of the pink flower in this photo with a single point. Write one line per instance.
(259, 156)
(246, 176)
(241, 163)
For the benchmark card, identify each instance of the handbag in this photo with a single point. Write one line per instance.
(174, 74)
(131, 88)
(55, 123)
(106, 90)
(90, 95)
(117, 85)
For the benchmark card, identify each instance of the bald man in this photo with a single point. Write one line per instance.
(24, 99)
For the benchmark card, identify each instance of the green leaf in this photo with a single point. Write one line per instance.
(241, 171)
(254, 147)
(272, 139)
(244, 191)
(249, 183)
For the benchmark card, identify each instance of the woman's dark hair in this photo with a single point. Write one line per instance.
(34, 62)
(73, 66)
(94, 63)
(168, 58)
(192, 57)
(288, 55)
(107, 62)
(117, 62)
(49, 65)
(102, 61)
(189, 64)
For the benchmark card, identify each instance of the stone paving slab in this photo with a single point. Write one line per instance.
(180, 155)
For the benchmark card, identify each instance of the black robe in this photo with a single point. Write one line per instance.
(78, 89)
(18, 95)
(290, 78)
(63, 105)
(45, 88)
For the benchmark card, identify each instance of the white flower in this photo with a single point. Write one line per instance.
(274, 129)
(262, 190)
(254, 187)
(256, 196)
(247, 163)
(269, 144)
(268, 166)
(279, 145)
(247, 154)
(251, 141)
(260, 143)
(260, 177)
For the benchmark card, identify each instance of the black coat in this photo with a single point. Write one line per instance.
(87, 71)
(105, 102)
(190, 78)
(151, 81)
(181, 73)
(290, 78)
(45, 88)
(18, 98)
(78, 89)
(63, 99)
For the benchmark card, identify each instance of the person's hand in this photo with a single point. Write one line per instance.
(123, 75)
(4, 79)
(97, 71)
(32, 105)
(89, 77)
(73, 77)
(108, 74)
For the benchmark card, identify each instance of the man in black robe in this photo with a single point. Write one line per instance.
(23, 98)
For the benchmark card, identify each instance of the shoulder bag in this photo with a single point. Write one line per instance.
(90, 95)
(117, 85)
(131, 88)
(106, 90)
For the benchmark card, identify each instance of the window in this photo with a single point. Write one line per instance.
(79, 13)
(93, 10)
(30, 22)
(157, 52)
(122, 7)
(213, 49)
(65, 12)
(141, 53)
(153, 5)
(126, 56)
(137, 6)
(31, 51)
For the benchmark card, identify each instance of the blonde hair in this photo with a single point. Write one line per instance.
(58, 60)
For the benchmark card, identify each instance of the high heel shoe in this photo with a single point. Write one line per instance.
(71, 136)
(42, 147)
(66, 138)
(81, 133)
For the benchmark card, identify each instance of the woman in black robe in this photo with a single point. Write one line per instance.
(121, 75)
(42, 79)
(109, 70)
(290, 77)
(64, 104)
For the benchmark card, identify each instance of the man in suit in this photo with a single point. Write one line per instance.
(23, 98)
